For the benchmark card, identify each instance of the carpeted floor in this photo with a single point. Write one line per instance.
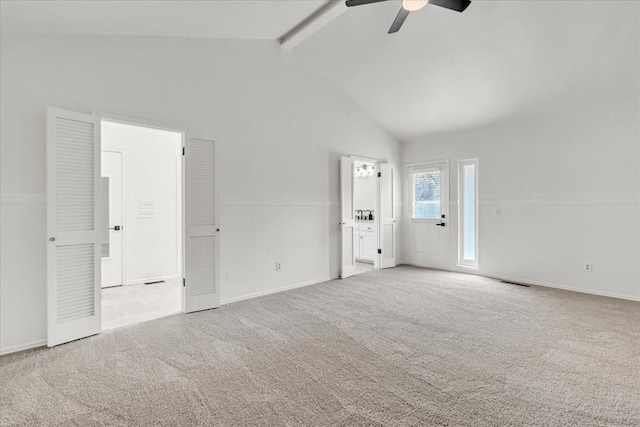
(396, 347)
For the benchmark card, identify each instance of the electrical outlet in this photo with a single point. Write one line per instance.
(588, 268)
(278, 266)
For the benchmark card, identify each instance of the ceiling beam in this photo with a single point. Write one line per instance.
(313, 23)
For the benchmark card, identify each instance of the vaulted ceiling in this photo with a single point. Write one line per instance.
(231, 19)
(497, 62)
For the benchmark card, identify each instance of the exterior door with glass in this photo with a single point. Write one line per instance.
(112, 228)
(428, 222)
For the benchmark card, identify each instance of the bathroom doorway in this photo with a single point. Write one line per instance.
(365, 200)
(368, 215)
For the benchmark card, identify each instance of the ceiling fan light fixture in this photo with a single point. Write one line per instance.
(413, 5)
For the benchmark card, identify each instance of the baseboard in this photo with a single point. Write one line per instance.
(22, 347)
(276, 290)
(153, 279)
(546, 285)
(564, 288)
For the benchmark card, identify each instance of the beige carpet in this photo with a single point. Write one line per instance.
(397, 347)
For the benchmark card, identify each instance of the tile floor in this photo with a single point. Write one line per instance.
(363, 267)
(126, 305)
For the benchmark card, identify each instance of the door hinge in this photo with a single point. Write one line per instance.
(379, 174)
(379, 251)
(184, 282)
(183, 150)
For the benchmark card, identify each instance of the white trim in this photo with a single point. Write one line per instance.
(23, 198)
(153, 279)
(313, 23)
(565, 288)
(22, 347)
(139, 121)
(462, 164)
(277, 290)
(475, 272)
(582, 201)
(281, 203)
(123, 208)
(365, 159)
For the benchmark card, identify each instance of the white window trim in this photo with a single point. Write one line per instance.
(461, 261)
(412, 170)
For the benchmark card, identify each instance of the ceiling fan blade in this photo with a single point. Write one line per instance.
(350, 3)
(457, 5)
(402, 15)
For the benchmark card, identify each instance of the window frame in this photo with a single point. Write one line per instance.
(412, 190)
(462, 261)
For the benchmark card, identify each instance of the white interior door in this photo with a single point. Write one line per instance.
(348, 222)
(428, 222)
(73, 226)
(387, 218)
(202, 246)
(112, 229)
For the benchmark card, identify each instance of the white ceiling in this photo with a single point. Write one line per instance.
(239, 19)
(498, 61)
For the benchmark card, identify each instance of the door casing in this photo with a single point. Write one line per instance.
(123, 230)
(445, 207)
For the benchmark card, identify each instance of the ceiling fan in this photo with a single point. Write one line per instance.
(409, 6)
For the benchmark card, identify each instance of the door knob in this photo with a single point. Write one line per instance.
(442, 224)
(52, 239)
(116, 228)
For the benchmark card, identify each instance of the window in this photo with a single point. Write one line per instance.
(426, 194)
(468, 205)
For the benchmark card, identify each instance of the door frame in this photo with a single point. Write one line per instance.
(123, 194)
(160, 125)
(376, 162)
(408, 197)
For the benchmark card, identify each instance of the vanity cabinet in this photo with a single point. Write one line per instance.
(366, 248)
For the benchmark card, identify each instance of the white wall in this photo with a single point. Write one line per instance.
(364, 193)
(152, 172)
(280, 132)
(568, 189)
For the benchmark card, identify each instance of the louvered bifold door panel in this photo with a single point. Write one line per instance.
(387, 223)
(202, 270)
(347, 223)
(73, 226)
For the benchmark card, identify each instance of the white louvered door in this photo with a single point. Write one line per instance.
(202, 272)
(387, 222)
(73, 226)
(348, 223)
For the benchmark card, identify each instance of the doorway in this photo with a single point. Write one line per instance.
(368, 224)
(76, 234)
(142, 223)
(365, 201)
(427, 233)
(112, 241)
